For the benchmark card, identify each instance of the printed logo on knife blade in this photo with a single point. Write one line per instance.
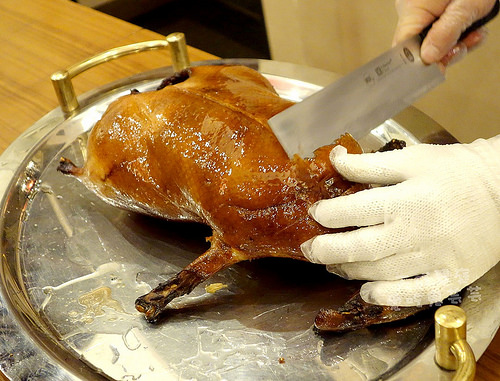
(408, 54)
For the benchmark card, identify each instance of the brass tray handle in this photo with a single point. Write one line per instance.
(61, 80)
(452, 350)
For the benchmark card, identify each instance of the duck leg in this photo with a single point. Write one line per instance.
(357, 314)
(215, 259)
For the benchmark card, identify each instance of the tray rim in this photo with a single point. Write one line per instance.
(29, 140)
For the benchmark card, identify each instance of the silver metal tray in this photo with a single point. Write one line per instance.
(72, 267)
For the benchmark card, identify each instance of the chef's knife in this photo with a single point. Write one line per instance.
(363, 99)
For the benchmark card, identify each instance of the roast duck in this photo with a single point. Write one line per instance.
(200, 149)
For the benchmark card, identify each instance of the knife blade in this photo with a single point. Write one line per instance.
(363, 99)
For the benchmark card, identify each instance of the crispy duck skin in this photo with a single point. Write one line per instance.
(201, 150)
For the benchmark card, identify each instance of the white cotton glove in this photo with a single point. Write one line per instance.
(440, 220)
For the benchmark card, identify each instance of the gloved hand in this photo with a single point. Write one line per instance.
(440, 220)
(454, 17)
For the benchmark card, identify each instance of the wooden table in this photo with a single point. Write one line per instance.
(39, 37)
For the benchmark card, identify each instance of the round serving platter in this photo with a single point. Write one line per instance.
(72, 267)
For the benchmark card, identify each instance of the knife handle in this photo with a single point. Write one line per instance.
(475, 25)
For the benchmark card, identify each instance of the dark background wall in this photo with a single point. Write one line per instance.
(226, 28)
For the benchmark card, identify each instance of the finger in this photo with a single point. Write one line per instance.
(428, 289)
(378, 168)
(363, 208)
(475, 38)
(446, 31)
(456, 54)
(365, 244)
(459, 51)
(397, 266)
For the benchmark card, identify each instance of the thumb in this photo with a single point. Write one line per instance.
(428, 289)
(389, 167)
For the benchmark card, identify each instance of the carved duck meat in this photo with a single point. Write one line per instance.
(200, 149)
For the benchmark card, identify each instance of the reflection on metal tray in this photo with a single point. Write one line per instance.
(72, 267)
